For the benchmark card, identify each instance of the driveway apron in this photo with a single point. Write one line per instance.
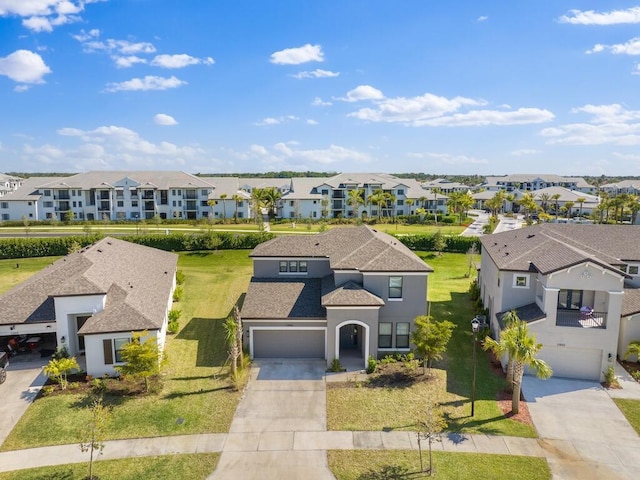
(24, 380)
(582, 431)
(282, 398)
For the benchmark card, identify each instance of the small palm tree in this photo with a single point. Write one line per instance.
(237, 199)
(581, 201)
(633, 349)
(223, 197)
(555, 199)
(355, 199)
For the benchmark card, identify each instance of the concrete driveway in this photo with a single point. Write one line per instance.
(24, 380)
(282, 399)
(582, 431)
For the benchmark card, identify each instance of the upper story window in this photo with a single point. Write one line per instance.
(204, 192)
(47, 193)
(401, 191)
(4, 205)
(395, 287)
(293, 266)
(633, 269)
(325, 192)
(520, 281)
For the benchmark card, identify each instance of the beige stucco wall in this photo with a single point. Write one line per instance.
(629, 332)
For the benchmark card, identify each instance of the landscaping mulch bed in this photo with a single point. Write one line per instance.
(80, 383)
(631, 367)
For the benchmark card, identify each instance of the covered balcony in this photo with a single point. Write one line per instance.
(585, 318)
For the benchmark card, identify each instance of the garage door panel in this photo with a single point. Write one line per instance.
(288, 343)
(567, 362)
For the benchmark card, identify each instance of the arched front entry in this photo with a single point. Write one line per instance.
(352, 338)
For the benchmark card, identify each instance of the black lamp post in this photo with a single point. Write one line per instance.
(475, 328)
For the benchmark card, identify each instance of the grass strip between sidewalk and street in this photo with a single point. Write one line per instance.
(631, 410)
(176, 467)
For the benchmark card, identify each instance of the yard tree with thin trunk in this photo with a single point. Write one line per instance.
(231, 328)
(439, 243)
(94, 432)
(431, 339)
(141, 357)
(523, 347)
(58, 370)
(556, 198)
(212, 203)
(581, 201)
(355, 199)
(435, 192)
(569, 207)
(236, 199)
(429, 429)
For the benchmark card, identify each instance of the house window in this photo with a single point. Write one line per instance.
(46, 204)
(204, 193)
(112, 349)
(400, 203)
(303, 266)
(5, 216)
(384, 335)
(173, 192)
(203, 203)
(325, 192)
(174, 203)
(633, 269)
(395, 287)
(283, 266)
(402, 335)
(400, 191)
(134, 203)
(293, 266)
(47, 193)
(520, 281)
(120, 203)
(4, 205)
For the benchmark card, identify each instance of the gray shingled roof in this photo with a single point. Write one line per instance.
(630, 300)
(136, 279)
(550, 247)
(274, 298)
(29, 189)
(152, 178)
(350, 294)
(352, 248)
(526, 313)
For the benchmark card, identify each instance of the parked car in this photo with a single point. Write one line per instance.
(4, 362)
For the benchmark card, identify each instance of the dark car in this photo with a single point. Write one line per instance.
(4, 362)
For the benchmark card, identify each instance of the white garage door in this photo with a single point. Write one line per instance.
(303, 343)
(582, 363)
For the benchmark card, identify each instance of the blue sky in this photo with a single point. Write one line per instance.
(465, 87)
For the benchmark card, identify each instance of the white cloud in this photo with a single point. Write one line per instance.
(24, 66)
(296, 56)
(179, 61)
(44, 15)
(124, 47)
(433, 110)
(128, 61)
(149, 82)
(164, 119)
(609, 124)
(21, 88)
(311, 121)
(449, 159)
(591, 17)
(318, 102)
(86, 36)
(362, 92)
(482, 18)
(524, 151)
(108, 147)
(631, 47)
(268, 121)
(317, 73)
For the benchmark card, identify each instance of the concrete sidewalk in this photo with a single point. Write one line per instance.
(261, 443)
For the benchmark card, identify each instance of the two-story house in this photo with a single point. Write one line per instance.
(576, 286)
(350, 291)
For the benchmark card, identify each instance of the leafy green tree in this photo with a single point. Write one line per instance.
(142, 358)
(439, 243)
(429, 429)
(431, 339)
(58, 370)
(27, 227)
(94, 432)
(523, 348)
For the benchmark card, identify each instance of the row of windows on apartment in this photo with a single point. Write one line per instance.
(385, 335)
(120, 193)
(399, 191)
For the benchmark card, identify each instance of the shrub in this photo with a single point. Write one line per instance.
(178, 293)
(336, 366)
(174, 315)
(173, 327)
(372, 365)
(474, 291)
(610, 376)
(180, 277)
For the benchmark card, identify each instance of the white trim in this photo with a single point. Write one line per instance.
(251, 330)
(366, 338)
(394, 350)
(354, 307)
(527, 278)
(261, 320)
(394, 299)
(392, 273)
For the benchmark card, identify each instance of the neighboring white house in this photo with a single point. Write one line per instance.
(93, 299)
(576, 286)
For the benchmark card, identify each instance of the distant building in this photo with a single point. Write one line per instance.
(531, 183)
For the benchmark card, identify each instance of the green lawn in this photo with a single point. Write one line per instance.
(196, 396)
(15, 271)
(175, 467)
(631, 409)
(402, 464)
(451, 385)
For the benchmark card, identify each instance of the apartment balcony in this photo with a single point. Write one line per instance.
(191, 205)
(576, 318)
(62, 196)
(191, 195)
(338, 194)
(148, 196)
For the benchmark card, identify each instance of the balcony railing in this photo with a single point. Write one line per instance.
(576, 318)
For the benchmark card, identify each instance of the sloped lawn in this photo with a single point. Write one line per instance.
(357, 407)
(196, 396)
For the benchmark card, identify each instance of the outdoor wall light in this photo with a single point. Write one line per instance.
(12, 327)
(63, 339)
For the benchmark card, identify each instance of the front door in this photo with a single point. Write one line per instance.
(80, 321)
(349, 337)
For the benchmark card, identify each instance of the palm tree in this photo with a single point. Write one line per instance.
(521, 345)
(236, 199)
(223, 197)
(435, 192)
(529, 204)
(634, 207)
(581, 201)
(377, 198)
(271, 198)
(544, 201)
(212, 203)
(569, 207)
(409, 203)
(355, 199)
(466, 202)
(496, 202)
(555, 198)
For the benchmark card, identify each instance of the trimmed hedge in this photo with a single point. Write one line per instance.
(453, 244)
(174, 242)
